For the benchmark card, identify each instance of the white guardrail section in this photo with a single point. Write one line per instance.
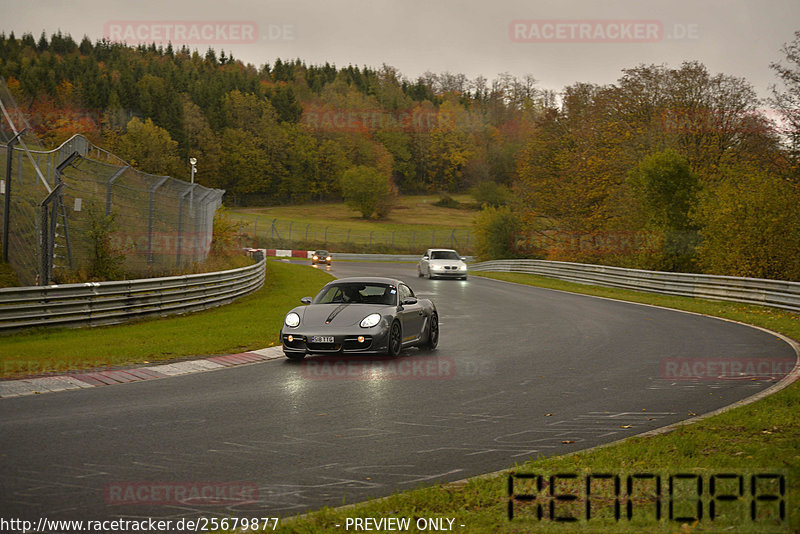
(775, 293)
(97, 303)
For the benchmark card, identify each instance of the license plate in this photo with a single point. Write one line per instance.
(322, 339)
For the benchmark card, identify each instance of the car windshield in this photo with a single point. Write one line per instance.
(321, 253)
(357, 293)
(445, 255)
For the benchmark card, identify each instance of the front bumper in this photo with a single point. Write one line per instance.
(448, 273)
(375, 341)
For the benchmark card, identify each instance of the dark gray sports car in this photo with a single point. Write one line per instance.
(360, 316)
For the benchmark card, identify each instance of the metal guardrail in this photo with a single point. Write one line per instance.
(97, 303)
(774, 293)
(380, 257)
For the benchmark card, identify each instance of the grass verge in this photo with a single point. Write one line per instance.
(252, 322)
(416, 223)
(764, 435)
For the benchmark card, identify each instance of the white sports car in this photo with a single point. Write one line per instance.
(442, 263)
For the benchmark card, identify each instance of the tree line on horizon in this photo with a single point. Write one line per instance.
(687, 159)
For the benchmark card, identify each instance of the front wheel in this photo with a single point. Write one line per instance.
(433, 333)
(395, 340)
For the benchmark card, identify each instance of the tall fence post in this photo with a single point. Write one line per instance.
(48, 234)
(151, 216)
(109, 185)
(7, 191)
(180, 224)
(49, 222)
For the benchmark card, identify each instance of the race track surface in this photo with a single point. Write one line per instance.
(301, 436)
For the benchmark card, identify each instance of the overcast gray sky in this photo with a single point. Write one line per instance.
(558, 42)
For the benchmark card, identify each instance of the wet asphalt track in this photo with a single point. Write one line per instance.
(302, 436)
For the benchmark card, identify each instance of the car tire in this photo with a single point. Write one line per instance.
(419, 273)
(395, 342)
(433, 333)
(294, 356)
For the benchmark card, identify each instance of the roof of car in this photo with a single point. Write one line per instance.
(368, 280)
(442, 250)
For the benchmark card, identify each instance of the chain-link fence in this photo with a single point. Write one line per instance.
(294, 234)
(57, 203)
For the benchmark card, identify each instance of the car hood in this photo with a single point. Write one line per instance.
(338, 314)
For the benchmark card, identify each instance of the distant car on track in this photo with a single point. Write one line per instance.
(442, 263)
(362, 315)
(321, 256)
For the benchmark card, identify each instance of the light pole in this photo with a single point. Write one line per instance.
(193, 162)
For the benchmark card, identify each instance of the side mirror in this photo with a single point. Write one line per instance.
(409, 301)
(464, 259)
(425, 258)
(306, 300)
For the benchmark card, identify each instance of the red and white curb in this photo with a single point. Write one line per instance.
(51, 384)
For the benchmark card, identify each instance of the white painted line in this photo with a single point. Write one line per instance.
(15, 388)
(208, 365)
(50, 383)
(167, 369)
(269, 352)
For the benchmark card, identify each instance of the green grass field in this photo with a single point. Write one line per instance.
(252, 322)
(752, 439)
(415, 224)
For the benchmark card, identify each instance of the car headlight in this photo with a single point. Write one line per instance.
(370, 320)
(315, 258)
(436, 267)
(292, 320)
(328, 258)
(462, 267)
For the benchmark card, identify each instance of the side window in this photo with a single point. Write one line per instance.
(404, 291)
(334, 294)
